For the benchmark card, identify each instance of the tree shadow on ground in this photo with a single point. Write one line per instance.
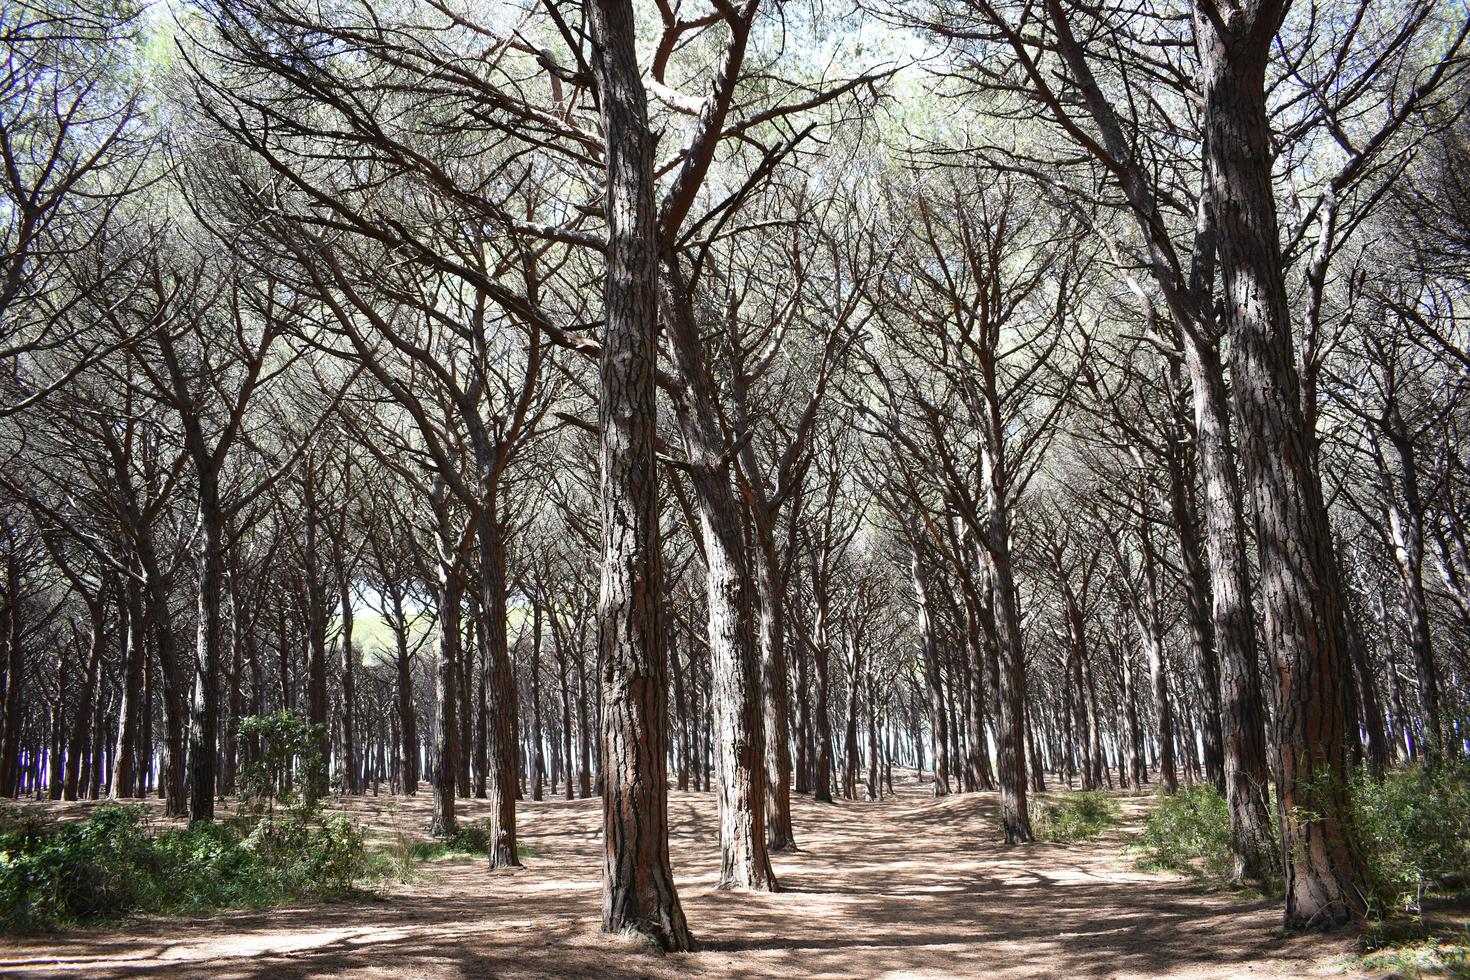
(910, 885)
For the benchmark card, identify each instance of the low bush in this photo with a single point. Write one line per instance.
(1412, 827)
(1414, 831)
(1188, 832)
(469, 840)
(1077, 817)
(110, 865)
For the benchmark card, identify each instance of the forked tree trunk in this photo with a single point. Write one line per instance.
(638, 885)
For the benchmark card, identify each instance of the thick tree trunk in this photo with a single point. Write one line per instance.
(1201, 625)
(125, 754)
(775, 698)
(1242, 718)
(204, 709)
(1005, 619)
(449, 593)
(1303, 610)
(352, 782)
(638, 884)
(821, 757)
(1406, 526)
(501, 734)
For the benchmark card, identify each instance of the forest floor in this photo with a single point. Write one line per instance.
(907, 887)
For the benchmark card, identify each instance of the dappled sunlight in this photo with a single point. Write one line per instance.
(910, 887)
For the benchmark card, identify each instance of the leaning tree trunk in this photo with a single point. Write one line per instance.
(638, 885)
(740, 740)
(1303, 609)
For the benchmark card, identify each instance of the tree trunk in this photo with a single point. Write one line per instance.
(449, 594)
(1303, 609)
(929, 645)
(638, 884)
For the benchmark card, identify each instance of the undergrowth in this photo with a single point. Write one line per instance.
(279, 848)
(1189, 833)
(1076, 817)
(1412, 830)
(110, 865)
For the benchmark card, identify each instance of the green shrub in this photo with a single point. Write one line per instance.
(110, 865)
(283, 762)
(1077, 817)
(1414, 831)
(1188, 832)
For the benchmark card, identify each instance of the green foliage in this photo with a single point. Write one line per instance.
(284, 764)
(1417, 956)
(1414, 832)
(1188, 832)
(470, 840)
(110, 865)
(1077, 817)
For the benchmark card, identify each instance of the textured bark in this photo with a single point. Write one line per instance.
(775, 698)
(126, 767)
(204, 708)
(1196, 582)
(1304, 625)
(501, 735)
(739, 744)
(638, 884)
(1151, 628)
(1406, 527)
(1005, 621)
(933, 689)
(1242, 708)
(449, 594)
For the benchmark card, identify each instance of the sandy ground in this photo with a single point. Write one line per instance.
(909, 887)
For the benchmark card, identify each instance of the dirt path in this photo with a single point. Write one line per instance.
(910, 887)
